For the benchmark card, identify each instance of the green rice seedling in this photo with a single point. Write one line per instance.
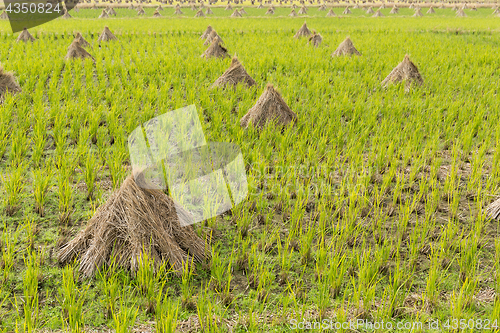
(497, 268)
(306, 242)
(336, 272)
(110, 288)
(186, 287)
(284, 254)
(166, 312)
(433, 280)
(14, 186)
(18, 148)
(65, 193)
(146, 281)
(30, 228)
(42, 182)
(206, 311)
(227, 297)
(31, 308)
(71, 299)
(220, 273)
(82, 147)
(90, 170)
(125, 318)
(463, 299)
(39, 140)
(321, 259)
(323, 295)
(8, 250)
(468, 259)
(264, 285)
(398, 285)
(4, 137)
(115, 161)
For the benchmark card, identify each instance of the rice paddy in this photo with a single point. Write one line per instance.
(370, 205)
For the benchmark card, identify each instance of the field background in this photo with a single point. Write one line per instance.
(371, 207)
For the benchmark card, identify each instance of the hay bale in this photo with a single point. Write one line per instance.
(394, 10)
(235, 74)
(292, 13)
(441, 6)
(159, 8)
(131, 6)
(370, 10)
(356, 6)
(461, 13)
(199, 13)
(141, 12)
(493, 210)
(215, 50)
(260, 6)
(25, 36)
(331, 13)
(81, 40)
(346, 11)
(270, 11)
(303, 10)
(454, 8)
(406, 72)
(106, 36)
(243, 11)
(315, 39)
(133, 221)
(8, 84)
(418, 13)
(104, 14)
(207, 32)
(211, 37)
(303, 31)
(236, 13)
(269, 108)
(111, 11)
(496, 11)
(431, 10)
(229, 7)
(346, 48)
(412, 6)
(76, 51)
(157, 14)
(209, 11)
(178, 11)
(66, 15)
(322, 8)
(4, 16)
(382, 6)
(378, 13)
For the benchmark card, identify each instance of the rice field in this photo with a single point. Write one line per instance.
(371, 208)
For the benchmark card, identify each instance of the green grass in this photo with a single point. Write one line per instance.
(373, 206)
